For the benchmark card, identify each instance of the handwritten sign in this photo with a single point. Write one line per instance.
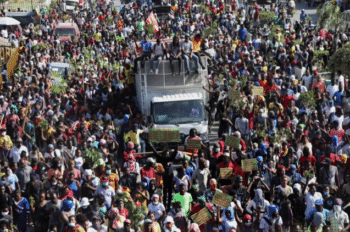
(164, 135)
(193, 144)
(249, 165)
(226, 173)
(202, 216)
(222, 199)
(258, 90)
(234, 94)
(232, 141)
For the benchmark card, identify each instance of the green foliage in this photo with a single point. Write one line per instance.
(31, 201)
(260, 133)
(136, 214)
(298, 42)
(243, 79)
(92, 157)
(52, 5)
(341, 60)
(308, 100)
(109, 20)
(150, 30)
(43, 124)
(204, 9)
(266, 17)
(62, 83)
(273, 32)
(331, 17)
(319, 57)
(211, 29)
(233, 82)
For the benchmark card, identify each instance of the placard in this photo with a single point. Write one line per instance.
(202, 216)
(232, 141)
(258, 90)
(222, 199)
(234, 94)
(249, 165)
(193, 144)
(164, 135)
(226, 173)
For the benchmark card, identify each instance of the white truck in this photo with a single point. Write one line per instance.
(174, 101)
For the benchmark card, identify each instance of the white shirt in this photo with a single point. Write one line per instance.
(157, 209)
(310, 201)
(108, 193)
(345, 122)
(266, 227)
(307, 80)
(4, 33)
(331, 90)
(104, 229)
(341, 80)
(228, 224)
(252, 204)
(15, 153)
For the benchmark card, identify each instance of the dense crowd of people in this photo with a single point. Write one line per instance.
(75, 156)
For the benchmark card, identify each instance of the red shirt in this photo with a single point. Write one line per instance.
(222, 145)
(286, 100)
(190, 150)
(269, 87)
(124, 212)
(311, 158)
(223, 165)
(333, 158)
(150, 173)
(338, 133)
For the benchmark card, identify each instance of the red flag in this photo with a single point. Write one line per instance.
(152, 20)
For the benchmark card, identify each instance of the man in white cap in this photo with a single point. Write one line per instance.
(84, 205)
(169, 225)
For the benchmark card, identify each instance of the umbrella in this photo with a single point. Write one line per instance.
(7, 21)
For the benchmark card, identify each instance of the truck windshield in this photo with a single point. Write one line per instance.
(67, 31)
(179, 112)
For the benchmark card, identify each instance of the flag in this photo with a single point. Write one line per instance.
(152, 20)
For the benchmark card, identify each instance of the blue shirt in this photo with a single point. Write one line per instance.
(325, 213)
(146, 47)
(242, 33)
(337, 96)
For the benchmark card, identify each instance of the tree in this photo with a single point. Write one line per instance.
(266, 17)
(330, 17)
(341, 60)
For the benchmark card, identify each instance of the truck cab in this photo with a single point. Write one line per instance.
(174, 101)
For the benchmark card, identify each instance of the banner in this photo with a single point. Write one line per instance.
(258, 90)
(193, 144)
(202, 216)
(233, 141)
(234, 94)
(226, 173)
(152, 20)
(164, 135)
(222, 199)
(249, 165)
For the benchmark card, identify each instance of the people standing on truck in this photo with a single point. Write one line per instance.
(187, 54)
(210, 107)
(175, 54)
(158, 52)
(146, 53)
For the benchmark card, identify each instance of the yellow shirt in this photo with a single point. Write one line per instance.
(7, 139)
(98, 37)
(134, 137)
(196, 45)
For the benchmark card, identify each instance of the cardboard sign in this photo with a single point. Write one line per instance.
(202, 216)
(164, 135)
(232, 141)
(226, 173)
(234, 94)
(222, 199)
(258, 90)
(193, 144)
(249, 165)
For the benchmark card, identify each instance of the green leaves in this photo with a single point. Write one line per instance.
(44, 125)
(59, 84)
(341, 60)
(150, 30)
(308, 100)
(92, 157)
(266, 17)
